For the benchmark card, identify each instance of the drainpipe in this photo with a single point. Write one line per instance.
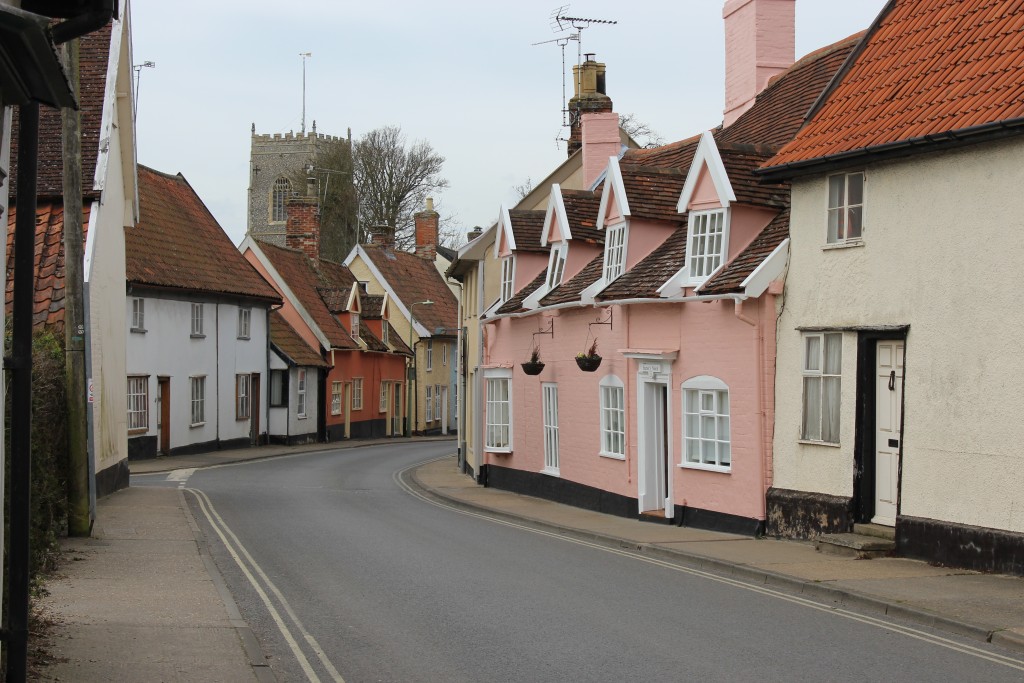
(758, 347)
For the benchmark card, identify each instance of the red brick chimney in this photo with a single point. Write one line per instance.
(426, 231)
(382, 236)
(302, 230)
(760, 42)
(590, 98)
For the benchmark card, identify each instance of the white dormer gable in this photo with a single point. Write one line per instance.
(706, 158)
(614, 203)
(505, 236)
(354, 304)
(556, 222)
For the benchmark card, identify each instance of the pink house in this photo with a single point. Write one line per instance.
(672, 264)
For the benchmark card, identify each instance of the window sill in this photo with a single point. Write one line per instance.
(139, 431)
(138, 330)
(301, 417)
(849, 244)
(551, 472)
(241, 419)
(335, 412)
(612, 456)
(827, 444)
(197, 336)
(498, 450)
(197, 424)
(707, 468)
(245, 338)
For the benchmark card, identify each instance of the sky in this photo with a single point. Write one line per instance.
(465, 76)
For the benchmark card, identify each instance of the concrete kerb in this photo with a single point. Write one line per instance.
(253, 651)
(1009, 640)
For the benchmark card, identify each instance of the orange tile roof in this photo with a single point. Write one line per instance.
(178, 244)
(48, 264)
(416, 279)
(926, 68)
(291, 345)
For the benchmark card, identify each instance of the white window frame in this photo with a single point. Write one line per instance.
(197, 320)
(138, 403)
(437, 402)
(335, 398)
(549, 411)
(278, 196)
(357, 393)
(383, 407)
(615, 251)
(355, 324)
(499, 410)
(384, 331)
(242, 395)
(843, 208)
(556, 264)
(244, 322)
(507, 277)
(706, 404)
(430, 355)
(702, 262)
(300, 393)
(612, 401)
(429, 414)
(138, 314)
(197, 386)
(444, 354)
(815, 369)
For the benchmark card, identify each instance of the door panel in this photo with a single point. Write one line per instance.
(165, 414)
(888, 429)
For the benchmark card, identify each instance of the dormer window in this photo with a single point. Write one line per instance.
(614, 252)
(355, 325)
(506, 278)
(384, 331)
(556, 265)
(705, 243)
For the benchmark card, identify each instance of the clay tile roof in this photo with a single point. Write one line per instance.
(416, 279)
(288, 342)
(643, 280)
(302, 278)
(926, 68)
(653, 192)
(178, 243)
(781, 107)
(515, 304)
(740, 162)
(396, 341)
(372, 305)
(581, 207)
(673, 155)
(728, 279)
(48, 264)
(372, 341)
(571, 290)
(94, 49)
(527, 226)
(334, 298)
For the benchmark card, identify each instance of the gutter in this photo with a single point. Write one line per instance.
(623, 302)
(77, 26)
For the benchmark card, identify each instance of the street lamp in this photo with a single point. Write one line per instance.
(414, 392)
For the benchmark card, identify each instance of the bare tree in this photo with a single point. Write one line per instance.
(522, 189)
(393, 180)
(339, 222)
(641, 133)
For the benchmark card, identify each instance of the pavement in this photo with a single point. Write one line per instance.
(141, 600)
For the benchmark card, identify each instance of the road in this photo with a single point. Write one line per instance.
(345, 575)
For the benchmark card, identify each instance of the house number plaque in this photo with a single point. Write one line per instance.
(650, 368)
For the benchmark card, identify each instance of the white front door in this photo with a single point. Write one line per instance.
(888, 429)
(550, 409)
(653, 465)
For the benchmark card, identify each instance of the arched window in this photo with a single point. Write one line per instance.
(282, 188)
(613, 417)
(706, 443)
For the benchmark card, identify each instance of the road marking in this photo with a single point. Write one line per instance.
(235, 549)
(769, 592)
(181, 475)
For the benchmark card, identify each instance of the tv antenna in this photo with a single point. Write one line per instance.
(571, 29)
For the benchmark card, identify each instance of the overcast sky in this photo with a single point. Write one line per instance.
(462, 75)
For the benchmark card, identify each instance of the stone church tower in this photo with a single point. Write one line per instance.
(276, 164)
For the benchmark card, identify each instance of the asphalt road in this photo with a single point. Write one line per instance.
(343, 574)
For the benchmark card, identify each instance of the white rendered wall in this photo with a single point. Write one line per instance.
(942, 253)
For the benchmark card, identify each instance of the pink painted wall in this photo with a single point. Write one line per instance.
(745, 224)
(553, 230)
(760, 42)
(580, 254)
(600, 141)
(612, 212)
(741, 356)
(644, 238)
(528, 266)
(705, 194)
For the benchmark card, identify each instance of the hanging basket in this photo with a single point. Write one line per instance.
(530, 368)
(588, 363)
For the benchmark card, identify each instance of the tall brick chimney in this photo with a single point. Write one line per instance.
(600, 141)
(760, 41)
(381, 236)
(426, 231)
(589, 98)
(302, 229)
